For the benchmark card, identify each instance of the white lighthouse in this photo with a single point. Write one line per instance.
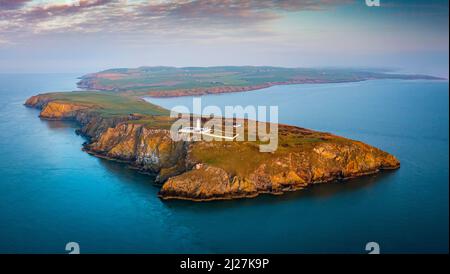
(198, 125)
(199, 130)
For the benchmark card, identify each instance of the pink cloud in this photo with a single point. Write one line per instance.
(12, 4)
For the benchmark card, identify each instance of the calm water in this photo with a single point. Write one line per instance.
(52, 193)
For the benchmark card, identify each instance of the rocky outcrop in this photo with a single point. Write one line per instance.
(92, 124)
(187, 176)
(150, 150)
(61, 110)
(38, 101)
(205, 183)
(288, 171)
(203, 171)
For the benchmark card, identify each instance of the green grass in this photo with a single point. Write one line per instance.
(159, 122)
(150, 79)
(239, 158)
(110, 104)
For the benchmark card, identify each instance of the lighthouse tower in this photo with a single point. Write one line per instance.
(198, 125)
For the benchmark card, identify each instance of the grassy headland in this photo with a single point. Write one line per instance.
(173, 81)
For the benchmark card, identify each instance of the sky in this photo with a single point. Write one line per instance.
(83, 36)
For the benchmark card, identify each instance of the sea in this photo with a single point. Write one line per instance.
(53, 193)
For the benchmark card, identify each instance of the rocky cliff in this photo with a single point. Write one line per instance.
(203, 171)
(289, 169)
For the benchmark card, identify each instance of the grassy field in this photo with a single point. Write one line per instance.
(109, 104)
(150, 79)
(238, 158)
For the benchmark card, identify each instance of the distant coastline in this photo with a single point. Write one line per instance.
(197, 81)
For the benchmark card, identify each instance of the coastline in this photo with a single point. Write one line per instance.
(184, 171)
(231, 89)
(139, 82)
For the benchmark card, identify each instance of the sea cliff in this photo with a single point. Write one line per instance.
(203, 171)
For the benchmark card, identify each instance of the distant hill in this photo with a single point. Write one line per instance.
(164, 81)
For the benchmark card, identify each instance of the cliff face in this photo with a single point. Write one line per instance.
(92, 124)
(61, 110)
(204, 171)
(148, 149)
(281, 172)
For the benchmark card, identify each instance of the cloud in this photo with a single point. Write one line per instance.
(64, 9)
(138, 16)
(12, 4)
(234, 11)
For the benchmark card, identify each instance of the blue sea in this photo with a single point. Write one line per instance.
(52, 193)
